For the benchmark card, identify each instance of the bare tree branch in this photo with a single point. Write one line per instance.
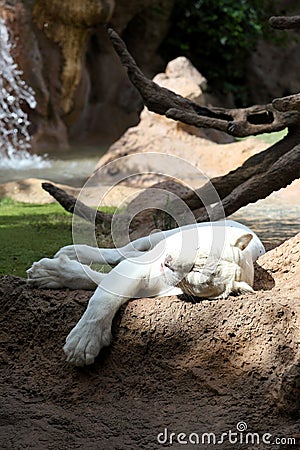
(241, 125)
(257, 187)
(259, 176)
(289, 103)
(154, 96)
(285, 23)
(237, 122)
(256, 164)
(74, 206)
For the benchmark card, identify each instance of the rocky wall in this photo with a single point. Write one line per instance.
(82, 91)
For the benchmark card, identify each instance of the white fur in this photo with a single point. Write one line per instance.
(207, 260)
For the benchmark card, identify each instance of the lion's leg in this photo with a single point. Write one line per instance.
(63, 273)
(131, 278)
(87, 254)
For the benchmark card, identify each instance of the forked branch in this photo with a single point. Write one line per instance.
(237, 122)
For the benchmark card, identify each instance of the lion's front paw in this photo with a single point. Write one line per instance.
(86, 340)
(56, 273)
(46, 274)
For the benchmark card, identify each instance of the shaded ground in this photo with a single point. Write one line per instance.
(175, 363)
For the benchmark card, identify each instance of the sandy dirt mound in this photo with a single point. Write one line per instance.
(179, 364)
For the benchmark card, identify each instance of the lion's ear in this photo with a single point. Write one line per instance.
(243, 241)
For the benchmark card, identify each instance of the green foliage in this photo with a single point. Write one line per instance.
(270, 138)
(218, 37)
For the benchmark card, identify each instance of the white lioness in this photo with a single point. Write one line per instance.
(208, 260)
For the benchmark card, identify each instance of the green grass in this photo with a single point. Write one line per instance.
(30, 232)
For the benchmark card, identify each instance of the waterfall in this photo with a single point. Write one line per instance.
(14, 123)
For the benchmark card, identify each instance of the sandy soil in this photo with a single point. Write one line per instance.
(179, 364)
